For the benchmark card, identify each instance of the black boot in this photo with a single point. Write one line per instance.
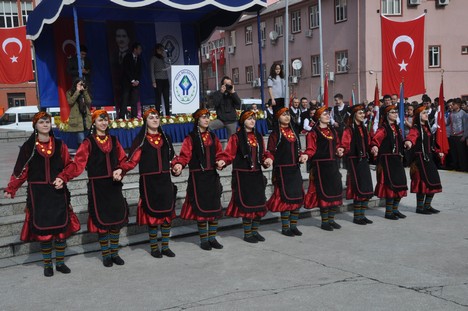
(63, 268)
(48, 271)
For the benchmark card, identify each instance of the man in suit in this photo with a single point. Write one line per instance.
(72, 66)
(131, 75)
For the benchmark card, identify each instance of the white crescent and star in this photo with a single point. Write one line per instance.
(403, 39)
(14, 59)
(67, 42)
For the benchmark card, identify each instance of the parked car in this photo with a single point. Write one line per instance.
(20, 118)
(246, 103)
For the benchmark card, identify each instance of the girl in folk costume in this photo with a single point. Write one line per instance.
(201, 151)
(246, 151)
(102, 155)
(355, 144)
(49, 216)
(325, 186)
(288, 195)
(387, 144)
(153, 150)
(425, 180)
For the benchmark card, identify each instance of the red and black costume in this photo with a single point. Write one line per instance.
(325, 186)
(107, 207)
(246, 151)
(359, 187)
(288, 194)
(391, 177)
(200, 151)
(156, 207)
(49, 216)
(425, 179)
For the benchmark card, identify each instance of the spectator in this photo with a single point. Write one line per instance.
(276, 87)
(131, 67)
(339, 114)
(458, 122)
(295, 113)
(160, 79)
(79, 100)
(72, 66)
(226, 101)
(408, 118)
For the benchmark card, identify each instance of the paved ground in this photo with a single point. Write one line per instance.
(419, 263)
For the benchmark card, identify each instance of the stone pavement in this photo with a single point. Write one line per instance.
(418, 263)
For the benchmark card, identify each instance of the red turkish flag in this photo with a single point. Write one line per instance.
(403, 56)
(213, 60)
(65, 48)
(15, 56)
(441, 136)
(222, 59)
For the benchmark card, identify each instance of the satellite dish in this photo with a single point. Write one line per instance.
(343, 62)
(297, 64)
(273, 35)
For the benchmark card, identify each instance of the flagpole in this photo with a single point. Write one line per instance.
(321, 49)
(77, 40)
(215, 52)
(286, 53)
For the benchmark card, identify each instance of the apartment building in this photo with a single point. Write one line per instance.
(351, 46)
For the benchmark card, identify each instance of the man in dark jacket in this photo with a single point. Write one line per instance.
(131, 75)
(226, 101)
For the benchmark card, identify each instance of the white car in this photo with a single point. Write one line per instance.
(20, 118)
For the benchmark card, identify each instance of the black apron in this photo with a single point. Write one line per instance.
(249, 190)
(107, 205)
(289, 180)
(49, 208)
(204, 191)
(327, 178)
(157, 193)
(361, 179)
(394, 172)
(428, 171)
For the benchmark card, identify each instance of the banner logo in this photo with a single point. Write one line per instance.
(185, 86)
(172, 47)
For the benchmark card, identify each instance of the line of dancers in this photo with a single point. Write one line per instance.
(45, 163)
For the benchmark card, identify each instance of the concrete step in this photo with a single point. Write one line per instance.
(15, 252)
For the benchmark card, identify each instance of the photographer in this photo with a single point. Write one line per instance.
(79, 100)
(226, 101)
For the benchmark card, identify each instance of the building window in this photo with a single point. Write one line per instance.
(263, 31)
(341, 11)
(17, 100)
(314, 17)
(248, 35)
(26, 9)
(232, 38)
(464, 50)
(296, 22)
(279, 25)
(434, 56)
(8, 14)
(315, 61)
(204, 49)
(235, 75)
(341, 61)
(248, 74)
(391, 7)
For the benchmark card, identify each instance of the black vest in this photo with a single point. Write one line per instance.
(325, 147)
(154, 160)
(55, 164)
(101, 164)
(199, 159)
(243, 159)
(286, 152)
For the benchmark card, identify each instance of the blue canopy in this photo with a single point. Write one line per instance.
(97, 18)
(207, 14)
